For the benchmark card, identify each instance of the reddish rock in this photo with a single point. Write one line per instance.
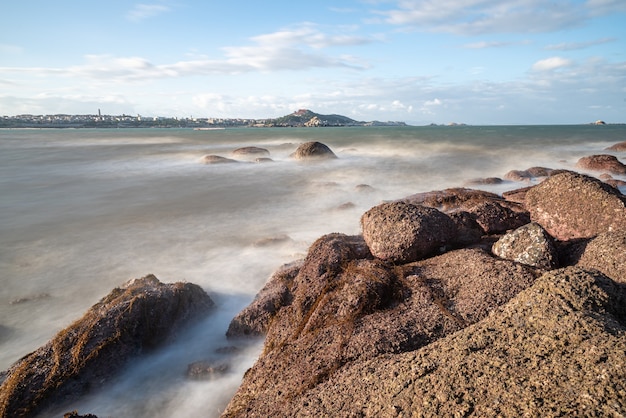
(135, 318)
(313, 151)
(530, 245)
(453, 199)
(251, 151)
(496, 218)
(484, 181)
(403, 232)
(359, 309)
(528, 174)
(607, 253)
(620, 146)
(517, 195)
(603, 162)
(556, 349)
(571, 205)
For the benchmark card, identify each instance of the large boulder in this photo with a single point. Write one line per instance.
(607, 253)
(403, 232)
(530, 245)
(495, 217)
(570, 205)
(556, 349)
(313, 151)
(620, 146)
(602, 162)
(351, 309)
(137, 317)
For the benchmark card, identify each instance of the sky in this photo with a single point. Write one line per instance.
(489, 62)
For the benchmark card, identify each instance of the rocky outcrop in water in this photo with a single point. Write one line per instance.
(602, 162)
(353, 331)
(132, 319)
(313, 151)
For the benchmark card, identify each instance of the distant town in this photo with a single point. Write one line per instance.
(300, 118)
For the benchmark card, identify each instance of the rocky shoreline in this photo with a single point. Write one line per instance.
(457, 302)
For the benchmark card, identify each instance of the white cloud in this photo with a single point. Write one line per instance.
(569, 46)
(550, 64)
(145, 11)
(472, 17)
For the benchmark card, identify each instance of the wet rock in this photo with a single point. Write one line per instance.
(403, 232)
(602, 162)
(556, 349)
(139, 316)
(484, 181)
(29, 298)
(206, 370)
(216, 159)
(607, 253)
(620, 146)
(570, 205)
(256, 317)
(528, 174)
(75, 414)
(452, 199)
(313, 151)
(362, 309)
(530, 245)
(364, 188)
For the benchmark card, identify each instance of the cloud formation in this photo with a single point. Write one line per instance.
(146, 11)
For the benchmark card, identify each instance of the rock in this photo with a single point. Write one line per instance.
(602, 162)
(530, 245)
(620, 146)
(570, 205)
(517, 195)
(251, 151)
(528, 174)
(313, 151)
(75, 414)
(483, 181)
(615, 183)
(255, 319)
(468, 230)
(358, 309)
(364, 188)
(206, 370)
(216, 159)
(263, 160)
(607, 253)
(139, 316)
(556, 349)
(403, 232)
(496, 218)
(453, 199)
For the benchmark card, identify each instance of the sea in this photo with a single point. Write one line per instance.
(82, 211)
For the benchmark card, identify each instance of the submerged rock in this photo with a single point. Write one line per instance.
(570, 205)
(403, 232)
(139, 316)
(620, 146)
(251, 151)
(216, 159)
(313, 151)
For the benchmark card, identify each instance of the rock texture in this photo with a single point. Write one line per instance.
(570, 205)
(139, 316)
(607, 253)
(530, 245)
(602, 162)
(403, 232)
(313, 151)
(351, 307)
(557, 349)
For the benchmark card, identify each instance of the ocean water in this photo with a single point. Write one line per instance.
(83, 211)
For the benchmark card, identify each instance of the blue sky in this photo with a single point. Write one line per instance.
(418, 61)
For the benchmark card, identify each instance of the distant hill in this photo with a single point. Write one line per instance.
(307, 118)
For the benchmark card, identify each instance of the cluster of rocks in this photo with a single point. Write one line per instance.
(304, 152)
(457, 302)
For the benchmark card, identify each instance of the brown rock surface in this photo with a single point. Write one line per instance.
(530, 245)
(556, 349)
(313, 151)
(602, 162)
(571, 205)
(358, 309)
(496, 218)
(620, 146)
(139, 316)
(607, 253)
(452, 199)
(403, 232)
